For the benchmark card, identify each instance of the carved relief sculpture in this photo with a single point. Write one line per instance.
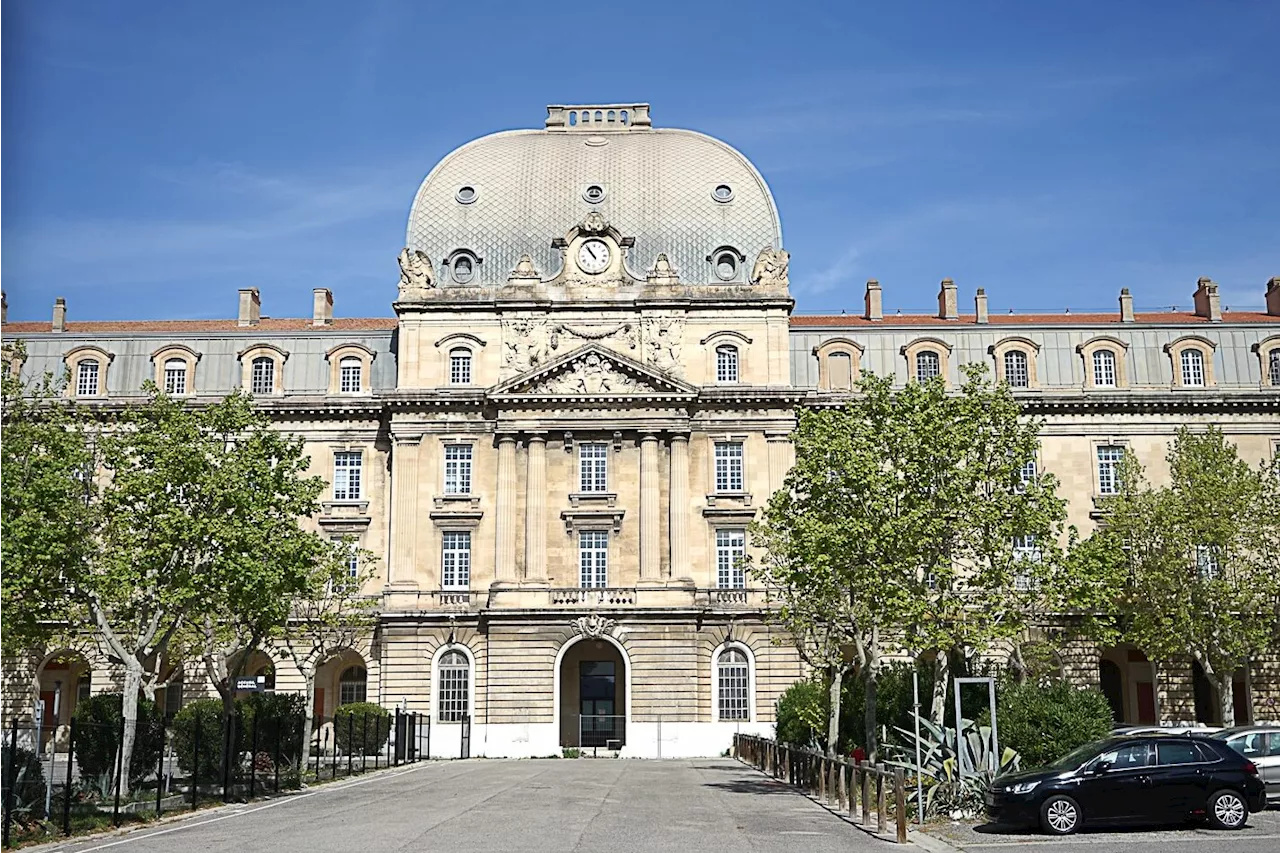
(593, 223)
(416, 275)
(525, 272)
(593, 627)
(662, 272)
(523, 344)
(771, 266)
(591, 375)
(624, 331)
(662, 339)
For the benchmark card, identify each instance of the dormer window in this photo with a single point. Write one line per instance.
(928, 365)
(263, 375)
(175, 377)
(1104, 368)
(351, 375)
(1273, 369)
(87, 378)
(726, 266)
(1192, 368)
(87, 366)
(462, 267)
(1016, 372)
(1191, 360)
(726, 363)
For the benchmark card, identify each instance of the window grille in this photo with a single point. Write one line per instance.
(928, 365)
(1192, 367)
(1208, 562)
(263, 375)
(734, 679)
(731, 549)
(1109, 457)
(1104, 368)
(1017, 371)
(457, 469)
(1273, 367)
(346, 475)
(175, 377)
(87, 379)
(455, 562)
(729, 466)
(352, 685)
(593, 558)
(460, 367)
(452, 696)
(593, 467)
(351, 378)
(727, 364)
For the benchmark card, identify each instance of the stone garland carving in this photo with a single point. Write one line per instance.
(771, 266)
(417, 276)
(523, 343)
(591, 375)
(625, 331)
(662, 339)
(593, 627)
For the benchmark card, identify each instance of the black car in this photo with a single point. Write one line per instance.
(1132, 779)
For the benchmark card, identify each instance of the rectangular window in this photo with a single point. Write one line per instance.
(175, 378)
(350, 371)
(841, 366)
(593, 467)
(1104, 368)
(460, 368)
(593, 558)
(731, 549)
(1016, 370)
(1192, 367)
(455, 559)
(457, 469)
(1109, 456)
(87, 379)
(1208, 562)
(726, 364)
(172, 698)
(262, 378)
(928, 365)
(729, 466)
(346, 475)
(1028, 473)
(1273, 367)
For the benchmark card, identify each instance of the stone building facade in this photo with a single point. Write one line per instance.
(556, 444)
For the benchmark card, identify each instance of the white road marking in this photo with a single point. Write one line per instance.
(1113, 839)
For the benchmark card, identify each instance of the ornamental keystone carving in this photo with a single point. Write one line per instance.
(663, 272)
(593, 627)
(593, 223)
(593, 374)
(416, 275)
(525, 272)
(771, 266)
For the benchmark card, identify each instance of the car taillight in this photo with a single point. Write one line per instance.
(1251, 768)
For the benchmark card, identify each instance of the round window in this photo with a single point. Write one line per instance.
(722, 193)
(465, 195)
(726, 266)
(593, 194)
(463, 270)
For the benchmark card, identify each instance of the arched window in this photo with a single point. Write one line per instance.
(733, 683)
(352, 685)
(262, 379)
(1273, 369)
(350, 375)
(840, 369)
(1192, 367)
(175, 376)
(87, 378)
(454, 691)
(928, 365)
(1016, 371)
(1104, 368)
(726, 363)
(460, 366)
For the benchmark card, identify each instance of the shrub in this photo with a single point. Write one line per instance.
(274, 715)
(350, 727)
(802, 713)
(98, 732)
(28, 781)
(206, 714)
(1045, 723)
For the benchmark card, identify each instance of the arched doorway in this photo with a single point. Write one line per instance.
(592, 701)
(1136, 689)
(65, 679)
(1112, 684)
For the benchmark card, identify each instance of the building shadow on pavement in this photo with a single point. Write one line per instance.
(751, 786)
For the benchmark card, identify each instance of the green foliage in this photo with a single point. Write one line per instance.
(207, 716)
(98, 737)
(359, 723)
(802, 714)
(1044, 723)
(943, 757)
(28, 781)
(273, 715)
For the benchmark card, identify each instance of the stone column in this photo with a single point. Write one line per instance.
(678, 507)
(650, 520)
(504, 511)
(535, 512)
(405, 461)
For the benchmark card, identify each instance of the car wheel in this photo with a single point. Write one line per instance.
(1228, 810)
(1059, 815)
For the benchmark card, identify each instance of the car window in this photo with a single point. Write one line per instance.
(1207, 752)
(1249, 744)
(1177, 752)
(1130, 755)
(1273, 743)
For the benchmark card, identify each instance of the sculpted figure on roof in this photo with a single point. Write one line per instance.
(771, 266)
(416, 274)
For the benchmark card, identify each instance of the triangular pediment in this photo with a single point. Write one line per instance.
(593, 371)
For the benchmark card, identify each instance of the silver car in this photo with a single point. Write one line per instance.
(1261, 745)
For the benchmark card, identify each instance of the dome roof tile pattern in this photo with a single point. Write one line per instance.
(529, 188)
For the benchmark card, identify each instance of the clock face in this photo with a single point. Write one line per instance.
(593, 257)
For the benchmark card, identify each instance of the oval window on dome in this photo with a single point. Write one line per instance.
(722, 193)
(464, 269)
(726, 266)
(593, 193)
(465, 195)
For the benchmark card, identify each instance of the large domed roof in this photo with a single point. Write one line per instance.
(511, 193)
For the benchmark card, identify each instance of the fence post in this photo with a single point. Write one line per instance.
(195, 763)
(333, 762)
(900, 803)
(866, 794)
(840, 787)
(253, 761)
(832, 794)
(227, 734)
(428, 736)
(12, 781)
(351, 740)
(160, 779)
(853, 790)
(398, 749)
(115, 814)
(66, 798)
(364, 736)
(882, 803)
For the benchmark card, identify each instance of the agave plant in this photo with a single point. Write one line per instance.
(956, 770)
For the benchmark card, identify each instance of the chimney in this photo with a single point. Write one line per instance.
(4, 307)
(1126, 306)
(980, 305)
(250, 306)
(1273, 296)
(59, 315)
(322, 310)
(948, 308)
(875, 301)
(1207, 301)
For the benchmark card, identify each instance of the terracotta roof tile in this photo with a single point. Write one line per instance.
(179, 327)
(804, 321)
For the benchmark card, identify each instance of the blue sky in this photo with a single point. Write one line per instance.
(159, 155)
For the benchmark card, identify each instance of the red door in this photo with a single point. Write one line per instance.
(1146, 703)
(47, 720)
(317, 712)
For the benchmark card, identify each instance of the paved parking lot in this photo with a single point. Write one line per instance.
(595, 805)
(1262, 833)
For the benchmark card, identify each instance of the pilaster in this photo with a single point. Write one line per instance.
(678, 507)
(650, 520)
(535, 513)
(505, 510)
(405, 462)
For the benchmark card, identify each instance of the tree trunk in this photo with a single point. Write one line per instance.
(1157, 690)
(1226, 699)
(308, 718)
(869, 715)
(1018, 663)
(833, 714)
(941, 675)
(129, 710)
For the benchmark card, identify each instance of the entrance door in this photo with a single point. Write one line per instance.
(597, 687)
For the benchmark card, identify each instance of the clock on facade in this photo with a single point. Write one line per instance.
(593, 257)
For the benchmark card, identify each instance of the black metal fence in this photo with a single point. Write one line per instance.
(73, 778)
